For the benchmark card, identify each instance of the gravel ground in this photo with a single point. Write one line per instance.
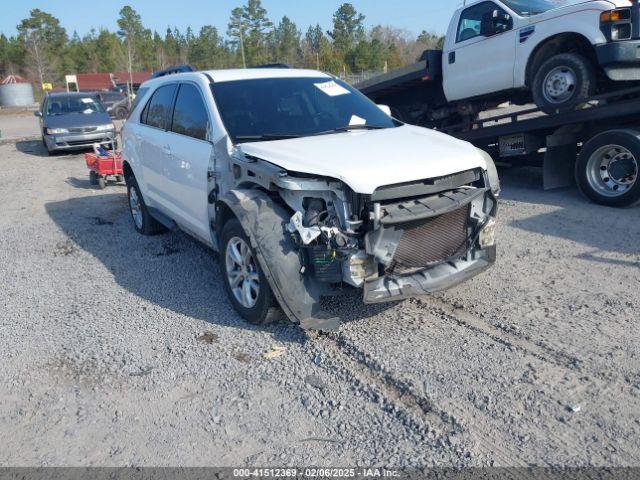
(119, 349)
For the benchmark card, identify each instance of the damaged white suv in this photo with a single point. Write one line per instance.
(306, 188)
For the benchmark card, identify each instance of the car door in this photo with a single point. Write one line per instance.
(152, 137)
(188, 160)
(480, 60)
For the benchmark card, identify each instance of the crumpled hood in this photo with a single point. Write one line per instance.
(368, 159)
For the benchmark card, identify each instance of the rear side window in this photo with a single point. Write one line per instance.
(156, 113)
(139, 96)
(190, 115)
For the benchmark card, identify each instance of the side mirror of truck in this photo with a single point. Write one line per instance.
(385, 108)
(495, 22)
(38, 113)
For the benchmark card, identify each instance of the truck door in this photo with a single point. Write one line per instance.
(188, 161)
(479, 55)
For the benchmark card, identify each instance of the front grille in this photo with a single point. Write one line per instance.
(83, 129)
(431, 241)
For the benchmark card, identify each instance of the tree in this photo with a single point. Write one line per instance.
(236, 31)
(348, 28)
(131, 30)
(287, 42)
(257, 23)
(208, 49)
(313, 43)
(44, 39)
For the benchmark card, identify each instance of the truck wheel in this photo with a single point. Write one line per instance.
(243, 279)
(607, 168)
(563, 83)
(143, 222)
(93, 178)
(122, 113)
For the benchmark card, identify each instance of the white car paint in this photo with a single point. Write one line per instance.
(486, 65)
(366, 160)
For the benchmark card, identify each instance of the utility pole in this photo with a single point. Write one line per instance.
(244, 60)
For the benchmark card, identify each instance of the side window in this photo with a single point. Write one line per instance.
(156, 112)
(190, 114)
(470, 25)
(136, 100)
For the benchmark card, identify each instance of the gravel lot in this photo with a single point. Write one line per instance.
(119, 349)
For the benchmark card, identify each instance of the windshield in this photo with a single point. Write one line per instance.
(279, 108)
(527, 8)
(73, 104)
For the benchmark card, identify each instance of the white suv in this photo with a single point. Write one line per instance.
(305, 187)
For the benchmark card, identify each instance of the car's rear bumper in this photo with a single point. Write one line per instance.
(620, 60)
(73, 141)
(435, 279)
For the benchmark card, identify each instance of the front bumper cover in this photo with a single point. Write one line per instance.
(71, 141)
(435, 279)
(620, 60)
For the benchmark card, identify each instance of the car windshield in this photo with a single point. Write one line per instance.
(73, 104)
(280, 108)
(526, 8)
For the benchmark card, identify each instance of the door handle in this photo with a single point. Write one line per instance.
(452, 57)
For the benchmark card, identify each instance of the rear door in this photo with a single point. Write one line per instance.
(187, 162)
(475, 64)
(154, 122)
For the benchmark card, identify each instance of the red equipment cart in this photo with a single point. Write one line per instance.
(101, 167)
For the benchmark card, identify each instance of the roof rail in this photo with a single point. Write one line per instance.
(273, 65)
(172, 70)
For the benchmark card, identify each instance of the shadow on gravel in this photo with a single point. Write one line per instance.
(170, 270)
(32, 147)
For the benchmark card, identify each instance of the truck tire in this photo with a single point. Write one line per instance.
(143, 222)
(563, 83)
(244, 281)
(122, 113)
(607, 168)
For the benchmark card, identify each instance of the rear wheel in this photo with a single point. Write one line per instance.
(102, 182)
(563, 83)
(243, 278)
(608, 166)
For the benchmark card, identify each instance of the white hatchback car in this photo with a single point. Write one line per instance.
(305, 187)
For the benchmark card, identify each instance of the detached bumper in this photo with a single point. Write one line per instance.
(620, 60)
(438, 278)
(72, 141)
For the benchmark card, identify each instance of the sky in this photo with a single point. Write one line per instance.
(82, 15)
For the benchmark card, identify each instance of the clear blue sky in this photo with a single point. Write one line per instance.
(81, 15)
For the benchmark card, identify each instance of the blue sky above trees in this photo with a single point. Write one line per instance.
(82, 15)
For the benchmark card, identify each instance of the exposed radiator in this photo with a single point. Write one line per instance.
(430, 241)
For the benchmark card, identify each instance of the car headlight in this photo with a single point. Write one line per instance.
(102, 128)
(56, 131)
(492, 172)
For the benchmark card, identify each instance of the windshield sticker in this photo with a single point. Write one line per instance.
(86, 100)
(356, 120)
(331, 88)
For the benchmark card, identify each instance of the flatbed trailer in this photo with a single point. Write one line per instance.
(596, 147)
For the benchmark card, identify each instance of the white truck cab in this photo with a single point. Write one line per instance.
(306, 187)
(560, 51)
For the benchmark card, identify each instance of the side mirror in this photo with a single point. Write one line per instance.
(385, 109)
(38, 113)
(495, 22)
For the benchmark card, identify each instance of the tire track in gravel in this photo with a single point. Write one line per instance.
(408, 405)
(553, 358)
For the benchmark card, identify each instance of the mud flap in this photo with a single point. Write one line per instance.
(265, 224)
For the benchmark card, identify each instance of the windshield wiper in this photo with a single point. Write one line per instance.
(266, 136)
(347, 128)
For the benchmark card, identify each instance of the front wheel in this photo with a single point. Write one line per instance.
(563, 83)
(143, 222)
(244, 280)
(607, 168)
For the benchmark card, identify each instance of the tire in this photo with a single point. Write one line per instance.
(119, 178)
(264, 305)
(102, 182)
(145, 224)
(608, 167)
(563, 83)
(93, 178)
(122, 113)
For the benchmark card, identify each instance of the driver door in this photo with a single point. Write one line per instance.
(481, 59)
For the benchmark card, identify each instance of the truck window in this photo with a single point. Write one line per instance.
(190, 116)
(471, 20)
(156, 112)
